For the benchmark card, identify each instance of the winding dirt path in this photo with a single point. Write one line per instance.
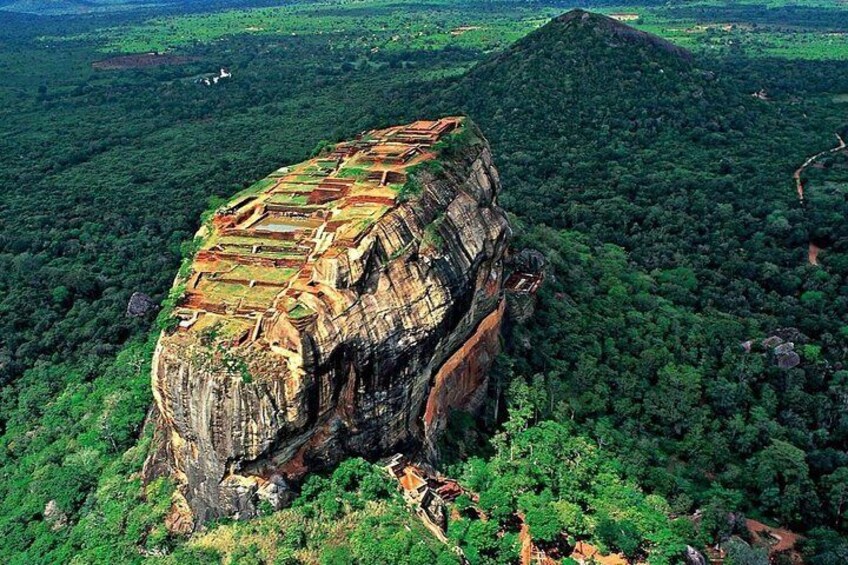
(813, 250)
(799, 185)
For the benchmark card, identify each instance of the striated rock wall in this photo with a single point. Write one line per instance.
(401, 327)
(460, 383)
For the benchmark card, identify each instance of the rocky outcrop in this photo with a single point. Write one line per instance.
(54, 516)
(694, 557)
(365, 350)
(140, 305)
(780, 345)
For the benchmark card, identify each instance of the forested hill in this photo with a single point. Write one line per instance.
(621, 136)
(564, 28)
(692, 242)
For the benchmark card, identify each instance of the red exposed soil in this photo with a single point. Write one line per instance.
(411, 479)
(776, 540)
(526, 544)
(140, 61)
(586, 552)
(813, 254)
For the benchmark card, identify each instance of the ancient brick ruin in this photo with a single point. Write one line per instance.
(273, 250)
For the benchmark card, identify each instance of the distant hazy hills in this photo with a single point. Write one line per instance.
(71, 7)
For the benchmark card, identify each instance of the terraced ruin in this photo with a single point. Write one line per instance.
(273, 250)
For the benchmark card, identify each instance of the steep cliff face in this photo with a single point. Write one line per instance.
(344, 306)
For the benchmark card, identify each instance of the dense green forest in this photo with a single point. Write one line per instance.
(677, 165)
(659, 189)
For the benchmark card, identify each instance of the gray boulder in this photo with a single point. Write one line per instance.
(694, 557)
(529, 261)
(788, 360)
(276, 493)
(140, 305)
(784, 348)
(772, 341)
(786, 356)
(54, 516)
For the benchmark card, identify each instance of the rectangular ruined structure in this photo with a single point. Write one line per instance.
(270, 247)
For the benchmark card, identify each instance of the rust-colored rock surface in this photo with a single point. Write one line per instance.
(461, 380)
(341, 306)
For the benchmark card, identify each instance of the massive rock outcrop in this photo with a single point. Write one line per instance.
(341, 306)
